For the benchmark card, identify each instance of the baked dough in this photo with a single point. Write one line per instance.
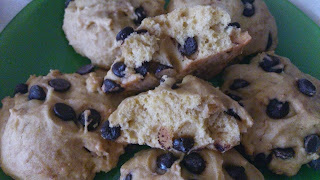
(144, 166)
(38, 144)
(284, 104)
(261, 25)
(194, 40)
(181, 117)
(91, 26)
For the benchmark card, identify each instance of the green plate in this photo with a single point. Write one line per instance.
(33, 43)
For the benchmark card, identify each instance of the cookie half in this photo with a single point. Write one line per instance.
(181, 117)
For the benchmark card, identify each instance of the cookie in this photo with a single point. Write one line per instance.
(50, 129)
(91, 26)
(181, 117)
(252, 16)
(204, 164)
(195, 40)
(284, 104)
(143, 62)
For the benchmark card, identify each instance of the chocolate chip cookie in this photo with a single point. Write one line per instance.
(197, 40)
(50, 129)
(284, 104)
(204, 164)
(249, 15)
(92, 26)
(179, 117)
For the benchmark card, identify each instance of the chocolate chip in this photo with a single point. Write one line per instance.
(238, 84)
(236, 172)
(234, 24)
(110, 86)
(143, 69)
(85, 69)
(21, 88)
(118, 69)
(277, 109)
(283, 153)
(64, 112)
(60, 85)
(174, 86)
(234, 97)
(262, 160)
(161, 67)
(190, 46)
(110, 133)
(312, 143)
(248, 10)
(269, 62)
(194, 163)
(128, 177)
(269, 43)
(141, 15)
(165, 161)
(233, 114)
(142, 31)
(183, 144)
(124, 33)
(66, 4)
(219, 147)
(247, 1)
(315, 164)
(92, 119)
(36, 92)
(306, 87)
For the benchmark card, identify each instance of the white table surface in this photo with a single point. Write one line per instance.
(9, 8)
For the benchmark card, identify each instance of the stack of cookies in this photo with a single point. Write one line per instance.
(147, 86)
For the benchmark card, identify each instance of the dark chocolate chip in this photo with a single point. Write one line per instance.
(161, 67)
(277, 109)
(36, 92)
(312, 143)
(110, 133)
(92, 119)
(248, 10)
(165, 161)
(234, 24)
(234, 97)
(64, 112)
(85, 69)
(118, 69)
(247, 1)
(190, 46)
(194, 163)
(60, 85)
(269, 43)
(110, 86)
(141, 15)
(128, 177)
(143, 69)
(269, 62)
(183, 144)
(315, 164)
(142, 31)
(283, 153)
(21, 88)
(306, 87)
(262, 160)
(124, 33)
(66, 4)
(219, 147)
(236, 172)
(233, 114)
(238, 84)
(174, 86)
